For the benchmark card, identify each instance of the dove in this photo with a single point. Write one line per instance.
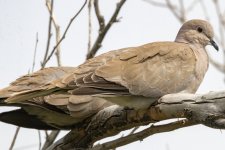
(133, 77)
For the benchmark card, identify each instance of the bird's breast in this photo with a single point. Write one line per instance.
(201, 67)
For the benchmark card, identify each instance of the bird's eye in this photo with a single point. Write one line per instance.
(199, 29)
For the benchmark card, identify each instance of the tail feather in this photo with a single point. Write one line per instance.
(20, 118)
(2, 101)
(30, 95)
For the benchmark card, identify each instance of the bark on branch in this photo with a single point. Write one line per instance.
(207, 109)
(103, 29)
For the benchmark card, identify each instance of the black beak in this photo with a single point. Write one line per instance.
(214, 45)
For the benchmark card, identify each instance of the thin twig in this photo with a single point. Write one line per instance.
(155, 3)
(89, 25)
(48, 2)
(182, 11)
(179, 13)
(220, 18)
(143, 134)
(14, 138)
(217, 65)
(221, 30)
(133, 130)
(192, 5)
(46, 134)
(50, 139)
(58, 49)
(101, 20)
(39, 138)
(103, 32)
(64, 34)
(58, 35)
(202, 4)
(174, 10)
(35, 51)
(50, 10)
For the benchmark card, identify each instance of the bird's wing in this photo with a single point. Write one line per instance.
(56, 110)
(150, 70)
(34, 81)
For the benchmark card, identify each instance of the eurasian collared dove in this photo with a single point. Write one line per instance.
(134, 77)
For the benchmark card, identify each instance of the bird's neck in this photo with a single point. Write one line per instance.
(180, 39)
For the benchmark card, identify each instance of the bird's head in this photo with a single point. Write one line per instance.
(197, 32)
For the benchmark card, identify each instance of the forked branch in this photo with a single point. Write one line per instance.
(103, 29)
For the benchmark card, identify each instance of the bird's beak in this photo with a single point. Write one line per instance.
(214, 45)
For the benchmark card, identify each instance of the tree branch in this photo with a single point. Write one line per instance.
(202, 4)
(64, 34)
(207, 109)
(50, 3)
(103, 31)
(39, 139)
(192, 5)
(182, 11)
(101, 20)
(217, 65)
(156, 3)
(14, 138)
(143, 134)
(175, 11)
(35, 52)
(89, 25)
(57, 31)
(50, 139)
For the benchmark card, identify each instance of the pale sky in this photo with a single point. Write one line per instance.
(140, 23)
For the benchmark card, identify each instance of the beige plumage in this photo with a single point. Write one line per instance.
(133, 77)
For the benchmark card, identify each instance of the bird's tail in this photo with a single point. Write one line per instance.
(2, 102)
(21, 118)
(23, 96)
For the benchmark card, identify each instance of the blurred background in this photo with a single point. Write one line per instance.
(24, 22)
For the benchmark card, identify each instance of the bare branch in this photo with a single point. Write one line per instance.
(100, 17)
(192, 5)
(50, 139)
(221, 33)
(202, 4)
(14, 138)
(50, 10)
(143, 134)
(174, 11)
(178, 13)
(35, 51)
(64, 34)
(221, 26)
(48, 3)
(57, 31)
(39, 138)
(58, 49)
(89, 25)
(133, 130)
(182, 11)
(217, 65)
(46, 134)
(155, 3)
(103, 32)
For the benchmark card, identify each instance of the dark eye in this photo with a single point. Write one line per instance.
(199, 29)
